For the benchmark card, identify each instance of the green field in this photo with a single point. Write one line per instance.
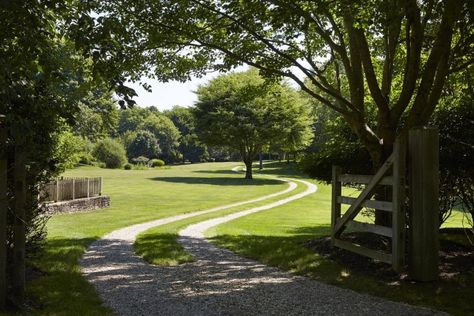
(275, 236)
(136, 196)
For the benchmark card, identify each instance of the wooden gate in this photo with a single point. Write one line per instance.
(396, 179)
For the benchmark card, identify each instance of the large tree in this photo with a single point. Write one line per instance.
(389, 57)
(400, 50)
(243, 112)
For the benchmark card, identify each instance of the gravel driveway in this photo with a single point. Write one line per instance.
(218, 282)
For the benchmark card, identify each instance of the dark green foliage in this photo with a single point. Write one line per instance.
(456, 125)
(156, 163)
(140, 160)
(127, 166)
(166, 133)
(144, 144)
(189, 145)
(111, 153)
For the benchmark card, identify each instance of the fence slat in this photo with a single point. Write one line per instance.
(364, 179)
(370, 228)
(374, 254)
(378, 205)
(71, 188)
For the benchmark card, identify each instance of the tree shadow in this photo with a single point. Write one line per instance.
(294, 253)
(220, 181)
(62, 289)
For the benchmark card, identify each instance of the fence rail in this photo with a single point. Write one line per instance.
(65, 189)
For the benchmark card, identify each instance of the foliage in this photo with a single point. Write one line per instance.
(69, 150)
(98, 116)
(356, 54)
(127, 166)
(166, 133)
(189, 145)
(144, 144)
(130, 119)
(243, 112)
(157, 163)
(110, 152)
(141, 160)
(455, 121)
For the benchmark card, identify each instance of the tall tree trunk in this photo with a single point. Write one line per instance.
(19, 232)
(3, 212)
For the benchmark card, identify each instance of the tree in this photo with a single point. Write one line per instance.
(401, 50)
(98, 116)
(144, 144)
(243, 112)
(166, 133)
(189, 145)
(111, 153)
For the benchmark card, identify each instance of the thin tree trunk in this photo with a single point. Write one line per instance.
(3, 212)
(19, 232)
(260, 157)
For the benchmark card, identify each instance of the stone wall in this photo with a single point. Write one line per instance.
(78, 205)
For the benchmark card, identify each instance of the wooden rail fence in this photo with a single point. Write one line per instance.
(65, 189)
(397, 181)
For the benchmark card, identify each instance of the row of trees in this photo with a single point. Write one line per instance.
(237, 114)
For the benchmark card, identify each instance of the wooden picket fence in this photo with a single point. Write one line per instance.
(65, 189)
(397, 181)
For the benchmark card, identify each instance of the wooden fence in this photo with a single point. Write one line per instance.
(65, 189)
(396, 180)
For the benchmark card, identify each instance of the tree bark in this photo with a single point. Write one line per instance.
(3, 213)
(260, 157)
(19, 232)
(248, 168)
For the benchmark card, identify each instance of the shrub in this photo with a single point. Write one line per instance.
(143, 144)
(127, 166)
(157, 163)
(110, 152)
(141, 160)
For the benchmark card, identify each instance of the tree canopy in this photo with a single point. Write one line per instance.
(243, 112)
(391, 57)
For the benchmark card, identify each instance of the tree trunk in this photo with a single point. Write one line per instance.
(19, 232)
(3, 213)
(248, 168)
(260, 157)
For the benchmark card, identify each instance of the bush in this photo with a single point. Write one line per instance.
(127, 166)
(110, 152)
(141, 160)
(157, 163)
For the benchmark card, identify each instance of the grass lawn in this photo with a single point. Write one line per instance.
(277, 237)
(136, 196)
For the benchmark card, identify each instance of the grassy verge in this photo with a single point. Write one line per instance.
(136, 196)
(277, 237)
(159, 245)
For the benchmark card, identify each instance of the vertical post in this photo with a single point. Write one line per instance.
(100, 186)
(88, 185)
(73, 188)
(19, 231)
(424, 205)
(260, 158)
(3, 212)
(398, 202)
(57, 190)
(335, 205)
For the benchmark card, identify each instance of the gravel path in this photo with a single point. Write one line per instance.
(218, 282)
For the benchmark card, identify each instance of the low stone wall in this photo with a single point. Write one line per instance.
(78, 205)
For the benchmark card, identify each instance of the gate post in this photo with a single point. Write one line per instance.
(423, 153)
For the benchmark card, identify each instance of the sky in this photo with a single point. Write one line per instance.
(166, 95)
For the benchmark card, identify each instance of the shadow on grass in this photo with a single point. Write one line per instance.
(62, 290)
(220, 181)
(291, 253)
